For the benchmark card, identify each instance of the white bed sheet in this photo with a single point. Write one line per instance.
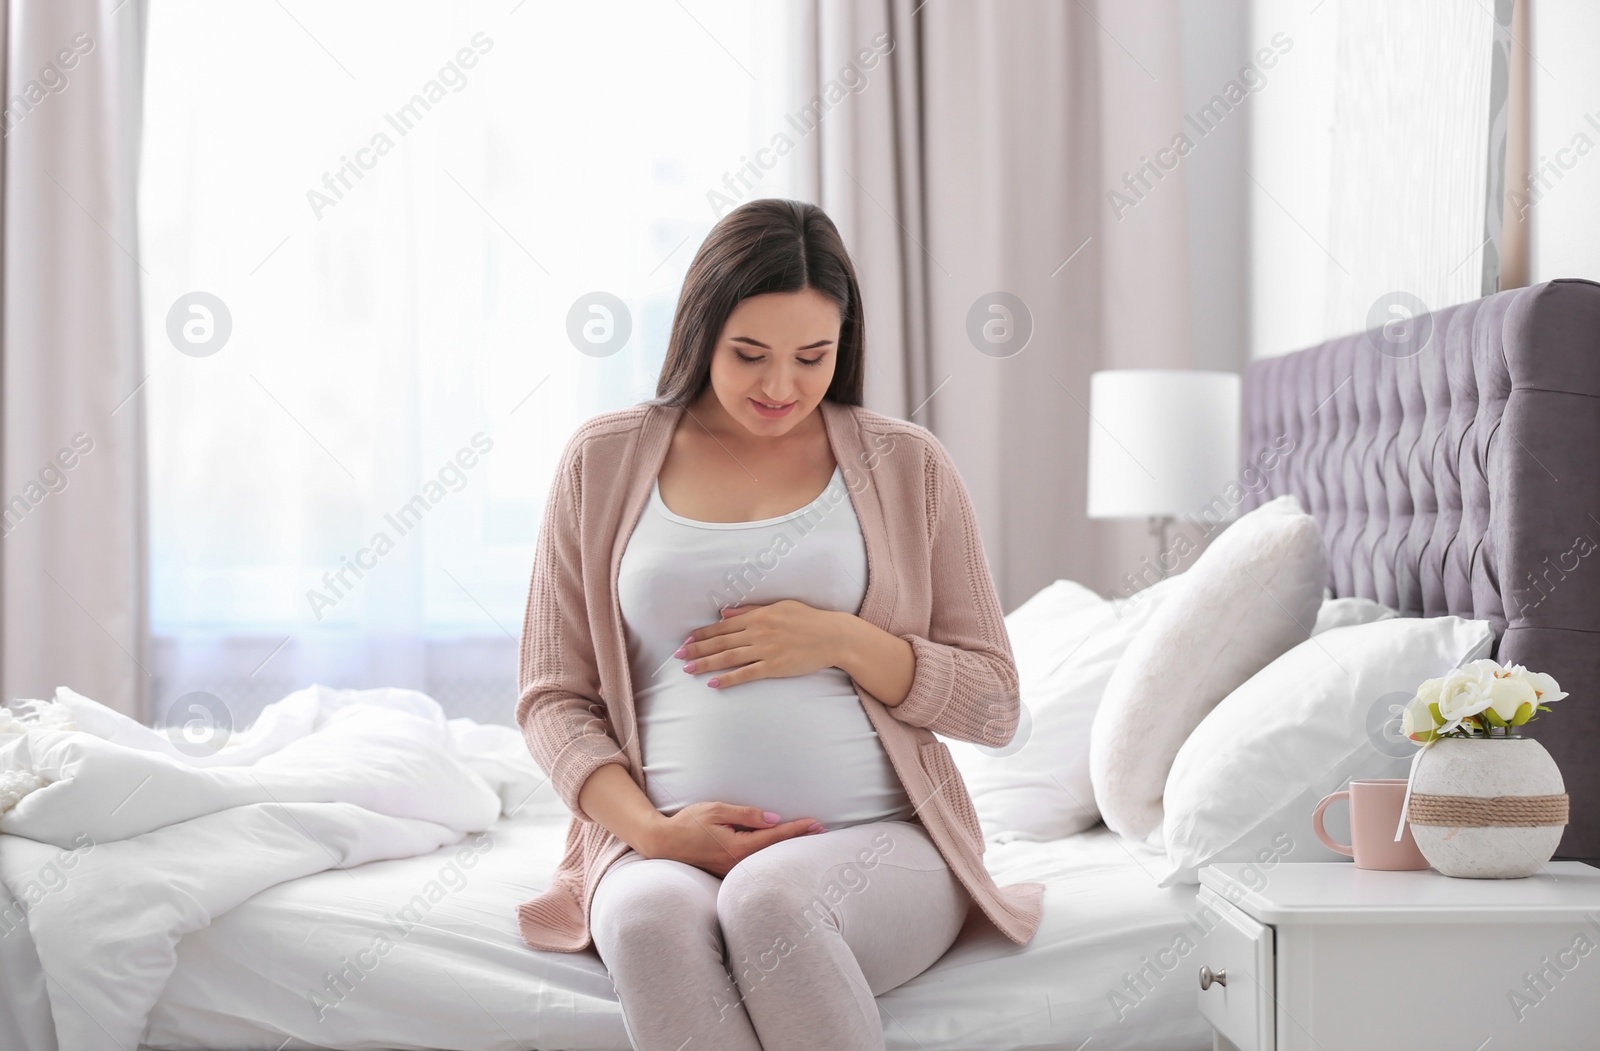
(461, 978)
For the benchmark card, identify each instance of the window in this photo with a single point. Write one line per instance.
(364, 228)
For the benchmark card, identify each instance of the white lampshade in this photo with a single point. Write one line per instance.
(1162, 442)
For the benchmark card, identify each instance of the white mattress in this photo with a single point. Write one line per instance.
(461, 978)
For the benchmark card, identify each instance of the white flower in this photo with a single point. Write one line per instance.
(1415, 719)
(1465, 692)
(1428, 692)
(1510, 691)
(1497, 695)
(1545, 687)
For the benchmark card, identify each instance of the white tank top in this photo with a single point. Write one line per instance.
(800, 745)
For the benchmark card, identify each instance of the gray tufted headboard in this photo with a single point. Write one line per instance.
(1463, 478)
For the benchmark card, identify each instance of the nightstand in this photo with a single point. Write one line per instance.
(1324, 956)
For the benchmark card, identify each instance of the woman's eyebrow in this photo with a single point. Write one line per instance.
(757, 343)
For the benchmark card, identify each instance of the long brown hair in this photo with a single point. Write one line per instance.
(766, 245)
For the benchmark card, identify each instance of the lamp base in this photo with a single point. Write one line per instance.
(1158, 529)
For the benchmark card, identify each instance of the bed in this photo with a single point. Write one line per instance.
(465, 980)
(1441, 480)
(446, 969)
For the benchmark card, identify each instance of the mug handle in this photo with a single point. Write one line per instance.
(1347, 849)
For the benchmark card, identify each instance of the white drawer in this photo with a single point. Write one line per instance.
(1239, 950)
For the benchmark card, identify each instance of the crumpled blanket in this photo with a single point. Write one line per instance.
(115, 842)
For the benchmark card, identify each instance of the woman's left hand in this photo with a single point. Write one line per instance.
(772, 641)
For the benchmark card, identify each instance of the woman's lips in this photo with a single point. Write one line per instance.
(772, 414)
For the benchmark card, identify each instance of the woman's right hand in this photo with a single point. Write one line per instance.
(717, 836)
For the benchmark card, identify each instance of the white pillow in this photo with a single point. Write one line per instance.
(1343, 612)
(1250, 775)
(1066, 640)
(1252, 594)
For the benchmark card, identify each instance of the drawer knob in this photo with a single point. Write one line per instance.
(1208, 976)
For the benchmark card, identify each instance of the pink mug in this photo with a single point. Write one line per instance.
(1374, 812)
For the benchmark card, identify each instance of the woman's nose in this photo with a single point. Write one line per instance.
(779, 389)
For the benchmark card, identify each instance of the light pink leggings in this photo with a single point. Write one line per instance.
(811, 929)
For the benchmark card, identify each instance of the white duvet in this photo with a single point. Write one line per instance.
(114, 843)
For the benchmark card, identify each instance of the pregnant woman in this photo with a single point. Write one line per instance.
(753, 603)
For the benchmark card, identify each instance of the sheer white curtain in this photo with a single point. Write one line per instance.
(1373, 153)
(369, 229)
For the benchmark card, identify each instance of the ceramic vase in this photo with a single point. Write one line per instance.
(1460, 837)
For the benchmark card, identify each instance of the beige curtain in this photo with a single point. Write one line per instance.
(977, 161)
(71, 418)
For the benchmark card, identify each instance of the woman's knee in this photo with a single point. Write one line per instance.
(653, 915)
(761, 904)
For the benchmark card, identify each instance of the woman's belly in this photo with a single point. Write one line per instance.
(800, 746)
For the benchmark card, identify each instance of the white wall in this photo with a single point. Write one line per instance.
(1563, 201)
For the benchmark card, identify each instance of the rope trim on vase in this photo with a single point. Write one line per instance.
(1487, 811)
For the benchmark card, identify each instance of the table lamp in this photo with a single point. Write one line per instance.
(1162, 442)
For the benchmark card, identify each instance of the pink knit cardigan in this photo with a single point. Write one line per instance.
(927, 582)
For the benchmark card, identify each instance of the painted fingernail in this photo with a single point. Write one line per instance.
(689, 667)
(680, 651)
(711, 683)
(815, 826)
(688, 639)
(770, 817)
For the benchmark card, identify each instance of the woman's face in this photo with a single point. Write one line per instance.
(777, 349)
